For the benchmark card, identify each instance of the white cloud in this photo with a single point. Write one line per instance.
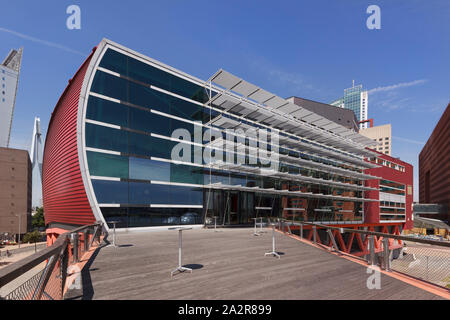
(398, 85)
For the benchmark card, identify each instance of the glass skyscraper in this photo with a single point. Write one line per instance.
(356, 100)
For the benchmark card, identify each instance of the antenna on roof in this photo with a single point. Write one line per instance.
(353, 83)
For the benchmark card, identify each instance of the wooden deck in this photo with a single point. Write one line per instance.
(229, 264)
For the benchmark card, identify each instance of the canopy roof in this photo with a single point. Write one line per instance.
(249, 101)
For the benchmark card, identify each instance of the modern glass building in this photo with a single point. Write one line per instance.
(357, 100)
(136, 141)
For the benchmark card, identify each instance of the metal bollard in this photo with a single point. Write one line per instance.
(386, 254)
(301, 230)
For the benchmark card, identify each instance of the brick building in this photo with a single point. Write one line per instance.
(15, 191)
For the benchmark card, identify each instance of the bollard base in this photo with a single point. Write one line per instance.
(180, 270)
(273, 253)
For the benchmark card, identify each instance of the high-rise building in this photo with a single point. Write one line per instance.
(36, 154)
(9, 80)
(356, 100)
(382, 135)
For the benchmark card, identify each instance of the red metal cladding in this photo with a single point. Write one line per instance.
(65, 199)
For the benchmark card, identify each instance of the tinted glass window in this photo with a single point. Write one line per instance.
(107, 165)
(143, 72)
(107, 111)
(139, 95)
(146, 193)
(154, 147)
(186, 174)
(149, 122)
(116, 214)
(111, 86)
(146, 169)
(106, 138)
(186, 195)
(110, 191)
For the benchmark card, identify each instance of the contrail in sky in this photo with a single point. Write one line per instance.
(44, 42)
(409, 140)
(398, 85)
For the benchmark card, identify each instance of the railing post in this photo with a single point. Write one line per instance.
(44, 278)
(99, 232)
(94, 235)
(371, 244)
(333, 240)
(386, 254)
(75, 247)
(314, 233)
(86, 240)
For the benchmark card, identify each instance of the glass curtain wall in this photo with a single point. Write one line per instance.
(129, 123)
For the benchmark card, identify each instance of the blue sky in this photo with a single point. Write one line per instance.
(311, 49)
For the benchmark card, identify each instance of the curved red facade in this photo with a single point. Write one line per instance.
(65, 199)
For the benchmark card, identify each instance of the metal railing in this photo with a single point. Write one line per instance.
(424, 259)
(49, 283)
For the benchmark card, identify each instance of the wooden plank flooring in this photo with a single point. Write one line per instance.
(229, 264)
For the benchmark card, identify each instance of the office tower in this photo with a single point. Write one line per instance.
(9, 79)
(356, 100)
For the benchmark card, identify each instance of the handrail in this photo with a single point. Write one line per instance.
(15, 270)
(372, 233)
